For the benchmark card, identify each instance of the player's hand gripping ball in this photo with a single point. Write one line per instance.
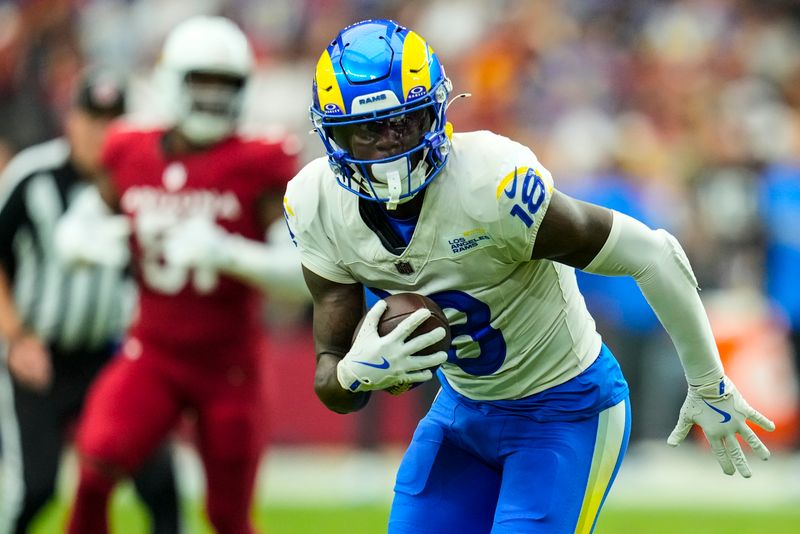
(400, 306)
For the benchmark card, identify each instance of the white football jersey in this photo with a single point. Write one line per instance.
(518, 326)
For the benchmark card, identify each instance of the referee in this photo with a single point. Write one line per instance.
(58, 325)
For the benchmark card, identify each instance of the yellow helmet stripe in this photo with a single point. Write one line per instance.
(328, 90)
(416, 63)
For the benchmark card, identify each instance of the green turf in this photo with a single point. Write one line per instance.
(684, 521)
(128, 518)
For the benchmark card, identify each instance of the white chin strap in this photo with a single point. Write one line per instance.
(392, 180)
(205, 128)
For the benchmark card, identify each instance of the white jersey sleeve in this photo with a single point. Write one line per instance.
(508, 189)
(521, 322)
(304, 216)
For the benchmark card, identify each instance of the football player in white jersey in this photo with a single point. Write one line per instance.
(533, 417)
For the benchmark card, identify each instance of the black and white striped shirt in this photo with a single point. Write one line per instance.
(72, 308)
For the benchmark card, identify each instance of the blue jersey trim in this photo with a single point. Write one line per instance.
(403, 227)
(600, 386)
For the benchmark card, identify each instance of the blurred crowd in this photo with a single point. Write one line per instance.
(683, 113)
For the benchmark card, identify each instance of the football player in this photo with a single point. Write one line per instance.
(197, 199)
(533, 417)
(59, 325)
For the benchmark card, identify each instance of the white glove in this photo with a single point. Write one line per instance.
(376, 362)
(89, 233)
(196, 242)
(721, 411)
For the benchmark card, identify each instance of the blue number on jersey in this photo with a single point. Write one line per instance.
(532, 195)
(490, 341)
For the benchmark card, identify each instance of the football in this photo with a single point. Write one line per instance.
(400, 306)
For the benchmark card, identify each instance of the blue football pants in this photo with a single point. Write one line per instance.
(477, 468)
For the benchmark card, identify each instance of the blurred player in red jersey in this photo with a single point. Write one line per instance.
(197, 200)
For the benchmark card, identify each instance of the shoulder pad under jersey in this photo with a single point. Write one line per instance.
(489, 166)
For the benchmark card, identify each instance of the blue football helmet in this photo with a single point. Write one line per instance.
(377, 74)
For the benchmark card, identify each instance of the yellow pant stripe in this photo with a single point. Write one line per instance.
(607, 448)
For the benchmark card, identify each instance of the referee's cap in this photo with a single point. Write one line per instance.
(101, 92)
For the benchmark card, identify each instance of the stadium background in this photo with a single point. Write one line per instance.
(685, 114)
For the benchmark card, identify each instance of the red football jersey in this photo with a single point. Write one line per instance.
(186, 308)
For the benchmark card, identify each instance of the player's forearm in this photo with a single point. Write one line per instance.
(11, 325)
(327, 387)
(658, 264)
(274, 268)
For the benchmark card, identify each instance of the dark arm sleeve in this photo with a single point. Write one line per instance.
(13, 215)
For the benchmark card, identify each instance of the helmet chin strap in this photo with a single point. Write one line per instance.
(392, 180)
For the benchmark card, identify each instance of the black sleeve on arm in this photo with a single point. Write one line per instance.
(337, 310)
(13, 215)
(572, 231)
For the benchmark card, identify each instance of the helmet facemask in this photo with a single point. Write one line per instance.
(209, 106)
(395, 179)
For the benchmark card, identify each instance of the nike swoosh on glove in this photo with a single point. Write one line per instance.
(376, 362)
(721, 411)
